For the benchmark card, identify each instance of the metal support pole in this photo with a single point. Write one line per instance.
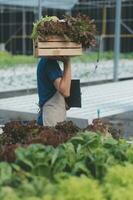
(24, 31)
(104, 20)
(117, 38)
(2, 22)
(39, 9)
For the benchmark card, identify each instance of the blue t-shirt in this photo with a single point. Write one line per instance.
(48, 71)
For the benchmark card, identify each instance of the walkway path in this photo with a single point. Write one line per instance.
(109, 99)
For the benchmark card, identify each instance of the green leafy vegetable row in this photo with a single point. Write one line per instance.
(87, 167)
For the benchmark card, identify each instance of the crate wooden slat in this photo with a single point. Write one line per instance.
(56, 46)
(58, 52)
(63, 45)
(53, 38)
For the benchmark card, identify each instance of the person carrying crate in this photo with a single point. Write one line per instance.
(53, 86)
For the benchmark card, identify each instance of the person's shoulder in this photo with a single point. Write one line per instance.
(42, 61)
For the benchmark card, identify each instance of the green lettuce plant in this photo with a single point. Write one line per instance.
(119, 182)
(75, 188)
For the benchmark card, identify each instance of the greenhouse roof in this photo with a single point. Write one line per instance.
(60, 4)
(102, 2)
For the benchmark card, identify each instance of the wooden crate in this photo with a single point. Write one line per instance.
(56, 46)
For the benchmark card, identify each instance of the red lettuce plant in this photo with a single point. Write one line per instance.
(80, 29)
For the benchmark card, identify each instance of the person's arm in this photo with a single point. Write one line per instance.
(62, 84)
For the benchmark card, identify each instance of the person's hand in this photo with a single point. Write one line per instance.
(64, 59)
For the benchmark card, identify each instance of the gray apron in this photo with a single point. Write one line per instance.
(54, 110)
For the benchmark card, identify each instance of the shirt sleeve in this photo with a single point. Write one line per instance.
(53, 70)
(41, 61)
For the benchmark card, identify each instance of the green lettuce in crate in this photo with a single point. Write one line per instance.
(35, 25)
